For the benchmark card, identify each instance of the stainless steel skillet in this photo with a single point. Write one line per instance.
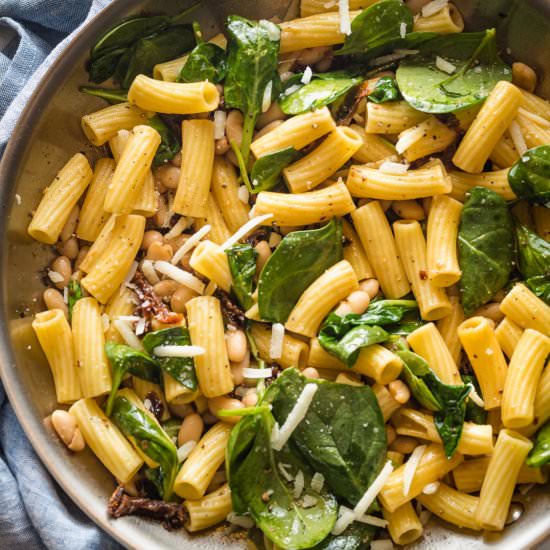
(46, 135)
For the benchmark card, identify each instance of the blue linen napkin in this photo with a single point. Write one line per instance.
(35, 514)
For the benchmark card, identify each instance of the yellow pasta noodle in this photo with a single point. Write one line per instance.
(210, 260)
(294, 353)
(392, 117)
(149, 390)
(59, 199)
(312, 7)
(505, 153)
(219, 232)
(508, 335)
(404, 526)
(497, 181)
(208, 510)
(448, 326)
(176, 393)
(373, 148)
(446, 21)
(355, 254)
(388, 405)
(542, 404)
(533, 133)
(526, 310)
(426, 138)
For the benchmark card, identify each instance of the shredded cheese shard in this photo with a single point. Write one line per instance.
(244, 230)
(277, 339)
(410, 468)
(178, 351)
(180, 276)
(345, 21)
(190, 243)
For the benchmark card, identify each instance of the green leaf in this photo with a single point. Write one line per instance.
(110, 95)
(533, 252)
(300, 258)
(385, 90)
(377, 26)
(342, 435)
(318, 93)
(75, 293)
(169, 146)
(205, 62)
(486, 247)
(259, 487)
(540, 453)
(242, 265)
(104, 67)
(478, 69)
(181, 369)
(124, 359)
(448, 402)
(529, 178)
(172, 427)
(267, 170)
(474, 413)
(357, 536)
(149, 51)
(252, 60)
(150, 438)
(540, 286)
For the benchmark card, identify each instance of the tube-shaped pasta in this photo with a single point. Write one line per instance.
(173, 97)
(294, 354)
(498, 485)
(59, 199)
(392, 117)
(541, 217)
(468, 477)
(322, 29)
(533, 133)
(320, 297)
(112, 265)
(317, 166)
(526, 309)
(297, 131)
(198, 470)
(176, 393)
(371, 183)
(312, 7)
(92, 216)
(496, 114)
(388, 405)
(54, 334)
(131, 169)
(433, 466)
(100, 126)
(448, 326)
(426, 138)
(443, 220)
(497, 181)
(476, 439)
(508, 335)
(355, 254)
(208, 510)
(149, 390)
(411, 247)
(428, 342)
(481, 345)
(99, 245)
(376, 236)
(121, 303)
(205, 323)
(524, 372)
(89, 348)
(104, 438)
(225, 188)
(373, 148)
(505, 153)
(535, 104)
(321, 359)
(197, 159)
(404, 526)
(446, 21)
(219, 232)
(210, 260)
(147, 201)
(542, 403)
(452, 506)
(305, 208)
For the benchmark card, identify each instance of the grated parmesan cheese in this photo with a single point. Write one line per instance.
(371, 493)
(180, 276)
(410, 468)
(241, 521)
(179, 227)
(242, 194)
(534, 118)
(185, 450)
(517, 137)
(128, 318)
(273, 31)
(220, 118)
(431, 488)
(474, 396)
(266, 100)
(254, 374)
(403, 29)
(345, 518)
(444, 65)
(309, 501)
(178, 351)
(140, 326)
(389, 167)
(390, 58)
(433, 7)
(330, 4)
(244, 230)
(274, 240)
(381, 544)
(125, 330)
(18, 199)
(345, 21)
(292, 89)
(190, 243)
(277, 339)
(408, 138)
(282, 468)
(317, 482)
(105, 321)
(308, 73)
(149, 272)
(279, 436)
(129, 275)
(55, 276)
(299, 484)
(372, 520)
(66, 294)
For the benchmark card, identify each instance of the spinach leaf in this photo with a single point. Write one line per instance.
(385, 90)
(180, 368)
(300, 258)
(405, 327)
(377, 26)
(266, 171)
(110, 95)
(447, 401)
(316, 94)
(252, 59)
(540, 453)
(150, 438)
(342, 435)
(529, 178)
(261, 482)
(357, 536)
(125, 359)
(75, 293)
(474, 413)
(169, 146)
(205, 62)
(172, 427)
(486, 247)
(540, 286)
(478, 69)
(242, 265)
(104, 67)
